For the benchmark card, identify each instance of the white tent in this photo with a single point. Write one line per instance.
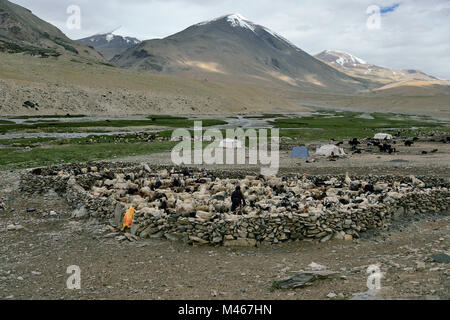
(383, 136)
(330, 149)
(230, 144)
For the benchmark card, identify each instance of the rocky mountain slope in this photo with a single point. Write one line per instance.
(109, 45)
(228, 65)
(357, 67)
(235, 49)
(22, 32)
(61, 86)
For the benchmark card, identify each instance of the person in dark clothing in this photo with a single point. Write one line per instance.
(237, 198)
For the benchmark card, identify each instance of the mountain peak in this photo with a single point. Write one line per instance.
(234, 19)
(342, 58)
(232, 46)
(237, 20)
(109, 44)
(357, 67)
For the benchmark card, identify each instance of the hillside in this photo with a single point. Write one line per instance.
(232, 48)
(22, 32)
(77, 86)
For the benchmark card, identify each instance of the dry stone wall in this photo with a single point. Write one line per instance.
(194, 205)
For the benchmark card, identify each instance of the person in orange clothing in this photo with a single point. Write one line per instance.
(128, 218)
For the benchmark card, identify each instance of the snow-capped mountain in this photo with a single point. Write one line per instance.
(109, 44)
(233, 48)
(357, 67)
(343, 59)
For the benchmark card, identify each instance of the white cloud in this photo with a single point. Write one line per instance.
(413, 36)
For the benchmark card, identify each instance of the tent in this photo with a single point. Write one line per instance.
(300, 152)
(330, 149)
(230, 144)
(383, 136)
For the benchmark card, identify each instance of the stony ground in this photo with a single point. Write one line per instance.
(34, 260)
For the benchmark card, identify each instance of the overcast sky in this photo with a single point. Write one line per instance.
(413, 34)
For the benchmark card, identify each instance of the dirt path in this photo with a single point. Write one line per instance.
(34, 260)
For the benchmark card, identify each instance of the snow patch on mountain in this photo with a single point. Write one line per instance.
(346, 58)
(237, 20)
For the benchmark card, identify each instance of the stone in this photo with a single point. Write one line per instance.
(197, 239)
(441, 258)
(302, 279)
(316, 267)
(118, 215)
(31, 209)
(339, 235)
(217, 239)
(348, 237)
(111, 235)
(148, 231)
(157, 235)
(175, 236)
(134, 228)
(332, 295)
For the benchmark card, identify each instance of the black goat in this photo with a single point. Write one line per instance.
(354, 142)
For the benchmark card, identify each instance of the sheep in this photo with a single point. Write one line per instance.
(416, 182)
(185, 208)
(203, 215)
